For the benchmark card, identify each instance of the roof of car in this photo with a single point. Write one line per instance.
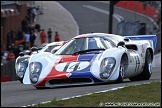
(56, 43)
(97, 35)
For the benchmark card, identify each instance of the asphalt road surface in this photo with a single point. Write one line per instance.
(90, 17)
(93, 16)
(15, 94)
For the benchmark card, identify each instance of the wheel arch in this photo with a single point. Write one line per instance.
(124, 57)
(124, 62)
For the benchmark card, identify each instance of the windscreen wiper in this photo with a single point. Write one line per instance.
(88, 50)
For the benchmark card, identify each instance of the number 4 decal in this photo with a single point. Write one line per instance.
(74, 67)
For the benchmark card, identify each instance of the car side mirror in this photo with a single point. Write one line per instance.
(34, 49)
(21, 54)
(27, 52)
(39, 48)
(121, 43)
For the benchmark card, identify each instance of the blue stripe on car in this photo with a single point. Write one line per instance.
(85, 73)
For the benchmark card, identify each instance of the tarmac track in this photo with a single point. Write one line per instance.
(15, 94)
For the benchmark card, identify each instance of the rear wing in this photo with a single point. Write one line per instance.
(151, 38)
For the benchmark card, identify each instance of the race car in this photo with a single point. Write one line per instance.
(22, 61)
(93, 58)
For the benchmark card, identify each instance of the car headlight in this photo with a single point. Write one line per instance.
(21, 69)
(106, 67)
(35, 69)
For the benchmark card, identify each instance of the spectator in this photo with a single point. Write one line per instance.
(49, 35)
(29, 10)
(43, 36)
(38, 10)
(34, 13)
(28, 19)
(37, 27)
(32, 38)
(57, 37)
(17, 51)
(10, 56)
(24, 25)
(12, 36)
(27, 39)
(20, 35)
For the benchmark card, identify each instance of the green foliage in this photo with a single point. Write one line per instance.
(146, 94)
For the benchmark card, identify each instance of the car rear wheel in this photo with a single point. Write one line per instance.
(147, 71)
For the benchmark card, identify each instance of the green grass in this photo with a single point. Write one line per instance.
(145, 94)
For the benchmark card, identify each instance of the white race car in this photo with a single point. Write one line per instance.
(22, 61)
(93, 58)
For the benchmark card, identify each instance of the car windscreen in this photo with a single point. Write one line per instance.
(82, 45)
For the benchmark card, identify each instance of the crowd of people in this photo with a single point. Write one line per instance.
(25, 37)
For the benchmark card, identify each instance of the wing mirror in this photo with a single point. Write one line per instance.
(21, 54)
(34, 49)
(27, 52)
(121, 43)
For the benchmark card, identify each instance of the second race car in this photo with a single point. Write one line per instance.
(22, 61)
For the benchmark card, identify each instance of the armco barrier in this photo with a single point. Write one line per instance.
(137, 7)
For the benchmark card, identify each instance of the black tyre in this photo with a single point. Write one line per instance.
(40, 88)
(147, 71)
(121, 73)
(21, 80)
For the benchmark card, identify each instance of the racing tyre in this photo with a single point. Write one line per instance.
(147, 71)
(121, 73)
(21, 80)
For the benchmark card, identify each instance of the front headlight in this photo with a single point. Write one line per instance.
(21, 69)
(106, 67)
(35, 69)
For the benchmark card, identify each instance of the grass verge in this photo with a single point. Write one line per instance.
(147, 95)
